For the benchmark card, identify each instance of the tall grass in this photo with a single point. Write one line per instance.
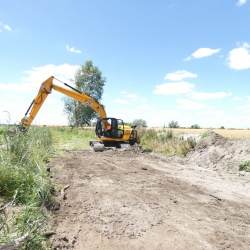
(164, 141)
(24, 184)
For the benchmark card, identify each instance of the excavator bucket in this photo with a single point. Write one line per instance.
(97, 146)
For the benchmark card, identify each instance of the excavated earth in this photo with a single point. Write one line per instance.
(132, 199)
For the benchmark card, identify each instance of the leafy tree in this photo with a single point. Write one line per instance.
(195, 126)
(88, 79)
(139, 122)
(173, 124)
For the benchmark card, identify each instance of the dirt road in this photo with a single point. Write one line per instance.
(138, 200)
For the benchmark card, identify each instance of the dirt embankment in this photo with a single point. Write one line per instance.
(137, 200)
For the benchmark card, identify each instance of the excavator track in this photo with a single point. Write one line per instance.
(99, 146)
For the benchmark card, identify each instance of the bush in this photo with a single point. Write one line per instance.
(139, 123)
(173, 124)
(245, 166)
(195, 126)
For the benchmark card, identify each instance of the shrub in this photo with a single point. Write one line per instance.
(245, 166)
(173, 124)
(195, 126)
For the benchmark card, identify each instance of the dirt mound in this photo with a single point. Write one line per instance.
(220, 153)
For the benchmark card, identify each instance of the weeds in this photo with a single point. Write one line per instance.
(164, 142)
(25, 188)
(245, 166)
(24, 183)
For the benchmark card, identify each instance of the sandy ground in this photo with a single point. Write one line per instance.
(138, 200)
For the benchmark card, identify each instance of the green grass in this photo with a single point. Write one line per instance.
(66, 138)
(25, 186)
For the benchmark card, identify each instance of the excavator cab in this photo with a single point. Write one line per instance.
(112, 132)
(110, 128)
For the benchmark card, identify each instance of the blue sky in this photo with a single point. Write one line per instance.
(164, 60)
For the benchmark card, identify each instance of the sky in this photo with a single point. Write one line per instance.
(164, 60)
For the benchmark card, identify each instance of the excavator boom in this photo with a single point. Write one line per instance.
(46, 88)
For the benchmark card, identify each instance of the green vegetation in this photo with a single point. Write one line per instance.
(245, 166)
(164, 142)
(66, 138)
(139, 123)
(25, 188)
(173, 124)
(88, 79)
(195, 126)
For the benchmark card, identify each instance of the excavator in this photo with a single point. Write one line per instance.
(111, 132)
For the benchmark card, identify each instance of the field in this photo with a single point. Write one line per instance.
(234, 134)
(188, 196)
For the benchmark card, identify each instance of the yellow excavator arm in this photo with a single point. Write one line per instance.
(116, 136)
(46, 87)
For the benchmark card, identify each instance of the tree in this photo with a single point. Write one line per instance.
(139, 122)
(173, 124)
(88, 79)
(195, 126)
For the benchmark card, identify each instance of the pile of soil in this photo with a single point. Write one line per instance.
(136, 200)
(220, 153)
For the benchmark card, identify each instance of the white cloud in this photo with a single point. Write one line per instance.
(145, 107)
(206, 96)
(5, 27)
(37, 75)
(203, 52)
(188, 104)
(179, 75)
(241, 2)
(22, 87)
(133, 97)
(72, 49)
(212, 113)
(16, 104)
(173, 88)
(245, 107)
(239, 58)
(237, 98)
